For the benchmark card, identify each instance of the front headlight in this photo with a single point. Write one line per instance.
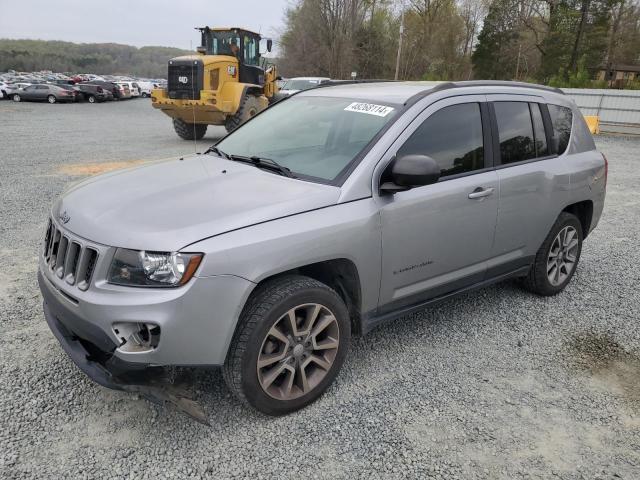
(140, 268)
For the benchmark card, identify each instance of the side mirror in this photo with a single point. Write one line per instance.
(269, 45)
(411, 171)
(201, 50)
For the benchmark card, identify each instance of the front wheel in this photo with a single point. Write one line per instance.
(16, 97)
(91, 99)
(189, 131)
(249, 108)
(51, 99)
(557, 259)
(290, 343)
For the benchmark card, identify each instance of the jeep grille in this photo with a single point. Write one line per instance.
(68, 258)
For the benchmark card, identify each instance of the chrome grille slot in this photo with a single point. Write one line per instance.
(47, 239)
(71, 262)
(68, 257)
(60, 257)
(85, 270)
(50, 244)
(54, 248)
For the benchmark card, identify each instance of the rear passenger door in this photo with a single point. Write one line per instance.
(533, 181)
(437, 238)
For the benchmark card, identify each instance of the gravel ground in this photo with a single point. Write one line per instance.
(495, 384)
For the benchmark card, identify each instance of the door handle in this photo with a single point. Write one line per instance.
(481, 192)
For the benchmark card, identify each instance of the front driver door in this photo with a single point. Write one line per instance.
(437, 238)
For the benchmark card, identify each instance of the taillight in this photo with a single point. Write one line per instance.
(606, 169)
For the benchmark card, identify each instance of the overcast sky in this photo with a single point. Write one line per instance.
(136, 22)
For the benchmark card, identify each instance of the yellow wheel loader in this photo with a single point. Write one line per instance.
(224, 83)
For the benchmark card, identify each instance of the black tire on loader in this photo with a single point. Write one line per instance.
(189, 131)
(249, 108)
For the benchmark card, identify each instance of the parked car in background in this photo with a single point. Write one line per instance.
(12, 88)
(145, 89)
(43, 93)
(114, 88)
(294, 85)
(124, 90)
(3, 90)
(77, 94)
(93, 93)
(133, 87)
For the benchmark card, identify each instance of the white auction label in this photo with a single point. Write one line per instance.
(369, 108)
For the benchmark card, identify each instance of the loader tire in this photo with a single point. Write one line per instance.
(249, 108)
(189, 131)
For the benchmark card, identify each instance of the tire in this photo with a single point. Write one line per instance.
(249, 108)
(144, 95)
(52, 99)
(552, 271)
(189, 131)
(16, 97)
(266, 310)
(91, 99)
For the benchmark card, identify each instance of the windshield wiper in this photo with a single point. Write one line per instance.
(218, 152)
(264, 163)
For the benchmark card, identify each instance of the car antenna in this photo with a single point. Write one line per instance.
(193, 105)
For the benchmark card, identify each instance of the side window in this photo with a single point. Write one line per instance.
(452, 137)
(561, 119)
(538, 131)
(250, 50)
(515, 132)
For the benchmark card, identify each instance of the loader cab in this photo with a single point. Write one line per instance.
(241, 44)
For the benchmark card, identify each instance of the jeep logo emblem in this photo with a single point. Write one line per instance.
(64, 217)
(183, 79)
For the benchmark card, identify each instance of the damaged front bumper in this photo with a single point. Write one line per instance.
(92, 351)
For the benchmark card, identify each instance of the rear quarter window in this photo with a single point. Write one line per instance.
(561, 119)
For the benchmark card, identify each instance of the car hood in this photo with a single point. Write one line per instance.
(165, 206)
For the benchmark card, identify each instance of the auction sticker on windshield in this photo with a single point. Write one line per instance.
(369, 108)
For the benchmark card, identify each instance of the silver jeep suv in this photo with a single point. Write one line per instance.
(333, 211)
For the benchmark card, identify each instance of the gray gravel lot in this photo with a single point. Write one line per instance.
(495, 384)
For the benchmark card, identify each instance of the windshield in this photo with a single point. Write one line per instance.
(300, 84)
(315, 137)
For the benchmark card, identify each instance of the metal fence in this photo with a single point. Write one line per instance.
(619, 110)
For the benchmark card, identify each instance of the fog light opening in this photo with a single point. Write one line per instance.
(137, 337)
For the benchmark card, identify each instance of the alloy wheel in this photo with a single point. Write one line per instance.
(298, 351)
(562, 256)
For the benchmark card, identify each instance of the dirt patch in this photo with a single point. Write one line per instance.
(87, 169)
(611, 366)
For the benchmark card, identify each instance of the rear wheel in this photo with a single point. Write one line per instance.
(51, 99)
(144, 95)
(16, 97)
(249, 108)
(189, 131)
(290, 343)
(557, 259)
(91, 99)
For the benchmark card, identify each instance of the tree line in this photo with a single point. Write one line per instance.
(99, 58)
(559, 42)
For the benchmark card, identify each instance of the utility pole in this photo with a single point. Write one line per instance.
(400, 42)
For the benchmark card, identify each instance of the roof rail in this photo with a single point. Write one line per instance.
(478, 83)
(333, 83)
(506, 83)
